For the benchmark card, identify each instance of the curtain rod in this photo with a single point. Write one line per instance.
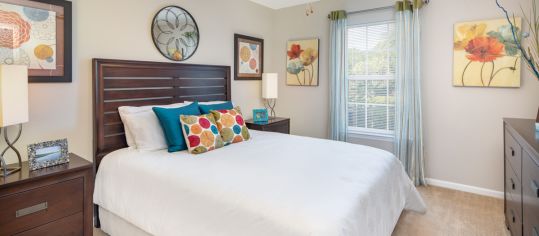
(375, 9)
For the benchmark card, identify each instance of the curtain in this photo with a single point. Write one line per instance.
(338, 86)
(408, 123)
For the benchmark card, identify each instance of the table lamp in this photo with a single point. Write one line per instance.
(13, 109)
(270, 84)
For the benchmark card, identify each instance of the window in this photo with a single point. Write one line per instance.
(371, 78)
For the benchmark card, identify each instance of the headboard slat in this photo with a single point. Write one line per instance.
(113, 106)
(138, 83)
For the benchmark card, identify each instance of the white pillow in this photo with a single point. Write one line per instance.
(126, 111)
(146, 130)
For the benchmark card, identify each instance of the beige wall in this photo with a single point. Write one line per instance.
(120, 29)
(463, 131)
(462, 126)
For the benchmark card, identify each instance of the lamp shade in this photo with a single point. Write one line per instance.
(13, 95)
(270, 84)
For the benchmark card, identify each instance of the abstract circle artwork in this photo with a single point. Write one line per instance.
(175, 33)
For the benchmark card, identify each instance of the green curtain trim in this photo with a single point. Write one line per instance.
(337, 15)
(408, 5)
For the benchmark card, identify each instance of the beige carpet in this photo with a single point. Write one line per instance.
(449, 213)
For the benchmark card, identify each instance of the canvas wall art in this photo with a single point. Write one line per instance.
(302, 62)
(485, 54)
(37, 34)
(248, 57)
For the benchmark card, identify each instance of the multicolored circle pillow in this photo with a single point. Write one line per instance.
(231, 125)
(201, 133)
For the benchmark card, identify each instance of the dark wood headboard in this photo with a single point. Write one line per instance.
(138, 83)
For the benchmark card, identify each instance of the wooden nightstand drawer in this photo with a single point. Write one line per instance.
(35, 207)
(275, 124)
(71, 225)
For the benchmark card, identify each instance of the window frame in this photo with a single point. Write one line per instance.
(360, 131)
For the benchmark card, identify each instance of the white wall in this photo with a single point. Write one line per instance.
(462, 126)
(120, 29)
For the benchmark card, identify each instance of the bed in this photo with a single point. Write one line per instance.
(273, 184)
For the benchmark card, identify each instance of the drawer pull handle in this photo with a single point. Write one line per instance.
(535, 188)
(512, 184)
(535, 232)
(513, 216)
(512, 151)
(31, 210)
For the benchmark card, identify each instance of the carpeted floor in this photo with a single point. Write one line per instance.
(449, 213)
(456, 213)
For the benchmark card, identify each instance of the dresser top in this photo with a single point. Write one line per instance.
(76, 163)
(525, 128)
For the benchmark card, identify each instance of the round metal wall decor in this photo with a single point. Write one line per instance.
(175, 33)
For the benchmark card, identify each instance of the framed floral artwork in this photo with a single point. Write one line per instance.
(37, 34)
(302, 62)
(485, 54)
(248, 57)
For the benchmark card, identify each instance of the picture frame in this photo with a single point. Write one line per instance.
(40, 38)
(248, 57)
(302, 62)
(499, 67)
(46, 154)
(260, 115)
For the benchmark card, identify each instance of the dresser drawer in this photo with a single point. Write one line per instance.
(513, 216)
(71, 225)
(513, 152)
(513, 186)
(36, 207)
(530, 194)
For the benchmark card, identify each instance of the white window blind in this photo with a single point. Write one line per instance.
(371, 77)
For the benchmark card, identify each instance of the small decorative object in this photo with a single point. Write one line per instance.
(51, 153)
(248, 57)
(260, 115)
(175, 33)
(530, 54)
(37, 34)
(13, 109)
(485, 54)
(270, 85)
(302, 62)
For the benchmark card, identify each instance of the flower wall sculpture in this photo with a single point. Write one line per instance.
(302, 62)
(485, 55)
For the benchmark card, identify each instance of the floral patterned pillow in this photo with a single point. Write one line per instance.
(231, 125)
(201, 133)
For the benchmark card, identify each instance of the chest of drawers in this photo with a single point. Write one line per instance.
(521, 158)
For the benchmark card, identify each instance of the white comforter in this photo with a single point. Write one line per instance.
(274, 184)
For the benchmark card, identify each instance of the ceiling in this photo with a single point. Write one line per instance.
(278, 4)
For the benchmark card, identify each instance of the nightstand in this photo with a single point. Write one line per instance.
(52, 201)
(275, 124)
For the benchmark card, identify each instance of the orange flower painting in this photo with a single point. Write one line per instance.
(485, 55)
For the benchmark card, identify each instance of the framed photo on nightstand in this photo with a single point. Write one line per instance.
(45, 154)
(260, 115)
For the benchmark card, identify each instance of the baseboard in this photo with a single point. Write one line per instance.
(465, 188)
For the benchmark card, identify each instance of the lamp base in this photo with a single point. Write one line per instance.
(270, 104)
(9, 171)
(6, 170)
